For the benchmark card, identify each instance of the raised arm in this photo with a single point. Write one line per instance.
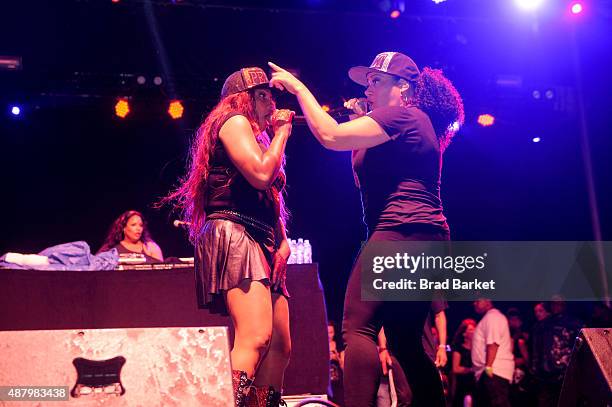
(363, 132)
(259, 168)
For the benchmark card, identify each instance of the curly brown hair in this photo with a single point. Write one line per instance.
(436, 95)
(115, 232)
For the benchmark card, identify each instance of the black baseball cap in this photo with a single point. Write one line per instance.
(393, 63)
(244, 79)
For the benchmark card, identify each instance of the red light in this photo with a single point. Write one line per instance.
(176, 109)
(122, 108)
(486, 120)
(576, 8)
(395, 14)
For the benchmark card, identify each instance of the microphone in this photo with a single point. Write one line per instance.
(336, 112)
(179, 223)
(339, 111)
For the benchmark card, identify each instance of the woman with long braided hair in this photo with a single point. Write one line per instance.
(232, 197)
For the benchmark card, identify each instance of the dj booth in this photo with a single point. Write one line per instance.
(162, 296)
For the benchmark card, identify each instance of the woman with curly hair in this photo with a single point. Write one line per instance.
(232, 198)
(397, 159)
(129, 234)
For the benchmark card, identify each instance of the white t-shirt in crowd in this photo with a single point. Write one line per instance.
(493, 328)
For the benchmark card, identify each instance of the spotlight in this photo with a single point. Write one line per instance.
(176, 109)
(439, 1)
(549, 94)
(15, 110)
(529, 4)
(122, 108)
(395, 14)
(536, 94)
(454, 127)
(576, 8)
(157, 80)
(536, 140)
(325, 108)
(486, 120)
(141, 80)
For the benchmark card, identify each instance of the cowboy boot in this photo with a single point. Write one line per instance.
(274, 398)
(264, 396)
(240, 383)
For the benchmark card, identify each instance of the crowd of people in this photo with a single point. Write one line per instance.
(495, 360)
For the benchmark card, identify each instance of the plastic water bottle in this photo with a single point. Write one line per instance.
(307, 252)
(292, 257)
(299, 251)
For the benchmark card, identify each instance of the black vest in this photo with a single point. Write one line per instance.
(227, 189)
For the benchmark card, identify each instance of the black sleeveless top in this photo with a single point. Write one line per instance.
(227, 189)
(125, 252)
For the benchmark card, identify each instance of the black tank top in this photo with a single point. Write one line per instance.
(125, 252)
(227, 189)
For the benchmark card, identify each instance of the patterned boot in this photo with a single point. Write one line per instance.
(240, 383)
(264, 396)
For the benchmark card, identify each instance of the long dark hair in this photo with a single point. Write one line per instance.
(115, 232)
(435, 94)
(189, 197)
(458, 338)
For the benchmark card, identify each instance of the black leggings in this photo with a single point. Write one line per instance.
(403, 322)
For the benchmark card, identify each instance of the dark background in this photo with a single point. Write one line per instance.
(70, 167)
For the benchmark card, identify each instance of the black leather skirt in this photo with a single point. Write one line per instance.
(228, 252)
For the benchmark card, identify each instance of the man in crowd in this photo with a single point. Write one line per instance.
(492, 356)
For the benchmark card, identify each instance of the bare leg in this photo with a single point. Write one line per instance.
(272, 367)
(250, 307)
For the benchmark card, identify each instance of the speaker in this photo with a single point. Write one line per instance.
(117, 367)
(308, 370)
(588, 379)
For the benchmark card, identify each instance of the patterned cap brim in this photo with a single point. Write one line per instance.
(359, 74)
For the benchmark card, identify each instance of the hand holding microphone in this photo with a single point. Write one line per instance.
(353, 108)
(359, 106)
(281, 121)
